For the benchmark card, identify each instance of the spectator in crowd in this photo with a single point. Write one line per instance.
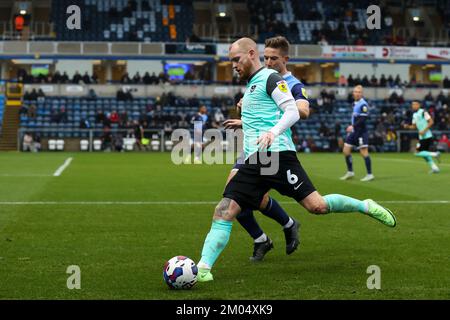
(323, 41)
(77, 78)
(114, 117)
(37, 142)
(390, 134)
(365, 81)
(86, 78)
(429, 97)
(28, 143)
(40, 95)
(373, 81)
(146, 79)
(118, 143)
(390, 81)
(342, 82)
(163, 78)
(442, 124)
(383, 81)
(57, 77)
(107, 121)
(106, 139)
(92, 96)
(218, 119)
(154, 79)
(99, 117)
(125, 78)
(138, 130)
(32, 96)
(168, 129)
(446, 83)
(124, 95)
(351, 81)
(443, 143)
(85, 124)
(123, 119)
(137, 78)
(64, 77)
(32, 111)
(379, 134)
(23, 110)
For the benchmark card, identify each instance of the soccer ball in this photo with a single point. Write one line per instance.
(180, 273)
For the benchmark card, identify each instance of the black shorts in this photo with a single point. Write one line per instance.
(248, 186)
(239, 162)
(425, 144)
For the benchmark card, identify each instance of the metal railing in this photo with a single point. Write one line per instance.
(36, 29)
(210, 31)
(426, 37)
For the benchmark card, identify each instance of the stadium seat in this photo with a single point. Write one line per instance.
(84, 145)
(128, 143)
(168, 145)
(52, 145)
(155, 145)
(97, 145)
(60, 145)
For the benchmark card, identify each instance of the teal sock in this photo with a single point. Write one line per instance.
(215, 242)
(341, 203)
(426, 155)
(423, 154)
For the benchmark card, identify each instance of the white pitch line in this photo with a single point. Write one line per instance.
(24, 175)
(410, 161)
(63, 167)
(185, 202)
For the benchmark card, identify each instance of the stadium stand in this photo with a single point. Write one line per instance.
(123, 20)
(302, 22)
(158, 113)
(2, 107)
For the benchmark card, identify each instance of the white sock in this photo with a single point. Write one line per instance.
(203, 265)
(366, 207)
(261, 238)
(289, 223)
(433, 154)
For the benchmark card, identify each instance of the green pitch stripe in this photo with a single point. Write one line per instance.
(185, 202)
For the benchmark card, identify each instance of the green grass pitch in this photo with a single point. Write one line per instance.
(119, 217)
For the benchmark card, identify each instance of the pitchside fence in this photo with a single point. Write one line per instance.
(408, 139)
(158, 141)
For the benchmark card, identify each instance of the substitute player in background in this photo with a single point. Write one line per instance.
(276, 56)
(200, 122)
(267, 94)
(357, 136)
(422, 121)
